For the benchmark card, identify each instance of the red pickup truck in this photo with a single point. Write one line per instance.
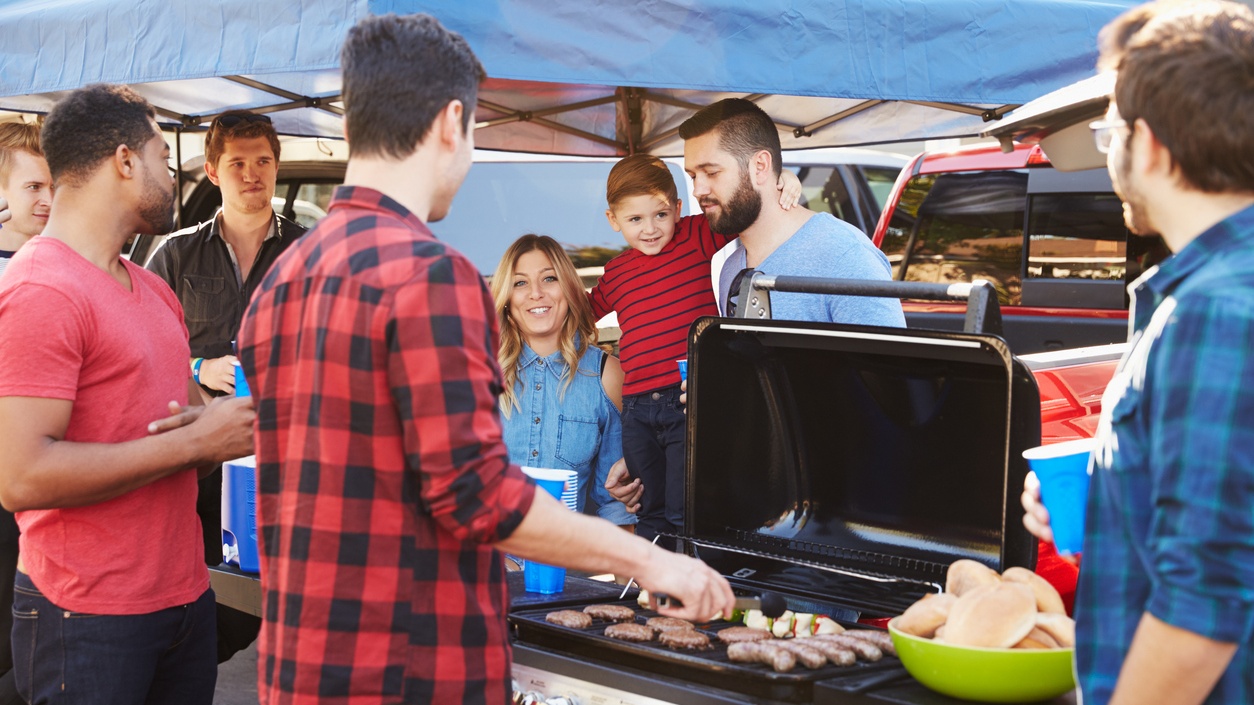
(1057, 252)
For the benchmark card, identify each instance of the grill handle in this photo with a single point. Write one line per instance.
(983, 311)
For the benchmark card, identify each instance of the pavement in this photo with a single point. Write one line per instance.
(237, 679)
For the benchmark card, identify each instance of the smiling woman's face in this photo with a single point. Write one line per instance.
(537, 303)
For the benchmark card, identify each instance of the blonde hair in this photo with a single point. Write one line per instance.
(639, 175)
(578, 330)
(16, 136)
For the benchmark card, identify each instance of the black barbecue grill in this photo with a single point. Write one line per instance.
(843, 467)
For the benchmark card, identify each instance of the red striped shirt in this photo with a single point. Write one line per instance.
(657, 298)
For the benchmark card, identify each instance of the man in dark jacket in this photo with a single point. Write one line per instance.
(214, 267)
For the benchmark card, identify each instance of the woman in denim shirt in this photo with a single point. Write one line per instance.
(553, 418)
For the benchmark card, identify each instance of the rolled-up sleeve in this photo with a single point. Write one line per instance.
(445, 382)
(1201, 425)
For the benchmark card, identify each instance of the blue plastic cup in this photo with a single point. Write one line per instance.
(1063, 470)
(538, 577)
(683, 370)
(241, 384)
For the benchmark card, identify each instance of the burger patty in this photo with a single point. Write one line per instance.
(629, 631)
(569, 618)
(666, 624)
(610, 613)
(684, 639)
(736, 635)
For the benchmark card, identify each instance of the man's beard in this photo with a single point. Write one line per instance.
(157, 208)
(740, 211)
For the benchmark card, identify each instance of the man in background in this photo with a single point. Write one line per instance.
(25, 185)
(213, 268)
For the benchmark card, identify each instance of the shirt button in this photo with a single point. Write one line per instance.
(537, 387)
(534, 453)
(540, 363)
(537, 419)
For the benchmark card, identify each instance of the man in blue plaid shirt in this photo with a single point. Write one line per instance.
(1165, 605)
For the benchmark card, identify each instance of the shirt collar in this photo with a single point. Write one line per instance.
(215, 230)
(1237, 230)
(555, 363)
(367, 198)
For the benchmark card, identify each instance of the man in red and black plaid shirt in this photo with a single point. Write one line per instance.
(385, 488)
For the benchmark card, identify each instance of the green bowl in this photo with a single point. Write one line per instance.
(985, 675)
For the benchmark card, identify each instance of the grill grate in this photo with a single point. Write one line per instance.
(710, 667)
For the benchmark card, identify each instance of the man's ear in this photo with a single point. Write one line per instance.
(125, 161)
(452, 131)
(211, 171)
(763, 172)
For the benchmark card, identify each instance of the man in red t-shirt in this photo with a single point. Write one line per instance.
(100, 452)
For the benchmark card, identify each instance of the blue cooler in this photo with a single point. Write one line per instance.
(239, 514)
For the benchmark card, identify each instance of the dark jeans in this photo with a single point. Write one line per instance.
(8, 569)
(654, 433)
(168, 656)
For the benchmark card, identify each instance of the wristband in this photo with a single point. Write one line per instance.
(196, 363)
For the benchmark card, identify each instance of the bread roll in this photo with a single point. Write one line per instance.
(992, 616)
(1059, 626)
(1037, 639)
(1047, 598)
(926, 615)
(966, 575)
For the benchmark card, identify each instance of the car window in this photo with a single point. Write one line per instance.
(958, 227)
(880, 181)
(501, 201)
(1078, 242)
(823, 190)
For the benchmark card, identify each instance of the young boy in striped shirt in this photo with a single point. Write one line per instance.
(658, 287)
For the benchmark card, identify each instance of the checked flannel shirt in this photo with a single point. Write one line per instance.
(1170, 526)
(383, 477)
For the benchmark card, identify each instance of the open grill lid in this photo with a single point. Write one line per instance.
(850, 465)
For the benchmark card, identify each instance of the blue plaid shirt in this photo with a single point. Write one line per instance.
(1171, 507)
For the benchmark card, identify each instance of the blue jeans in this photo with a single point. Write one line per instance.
(654, 435)
(168, 656)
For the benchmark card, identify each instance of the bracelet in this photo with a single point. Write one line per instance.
(196, 363)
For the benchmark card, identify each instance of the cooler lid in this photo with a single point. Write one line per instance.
(881, 453)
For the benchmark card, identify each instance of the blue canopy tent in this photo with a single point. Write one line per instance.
(593, 77)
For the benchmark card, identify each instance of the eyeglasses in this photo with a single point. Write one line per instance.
(229, 121)
(1104, 133)
(233, 120)
(733, 292)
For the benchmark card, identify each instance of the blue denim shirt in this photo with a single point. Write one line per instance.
(577, 428)
(1170, 526)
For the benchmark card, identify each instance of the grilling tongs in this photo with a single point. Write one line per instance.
(770, 604)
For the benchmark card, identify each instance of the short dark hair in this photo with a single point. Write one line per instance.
(250, 125)
(1177, 63)
(400, 71)
(87, 126)
(744, 129)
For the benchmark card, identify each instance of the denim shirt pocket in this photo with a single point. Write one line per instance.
(577, 441)
(203, 299)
